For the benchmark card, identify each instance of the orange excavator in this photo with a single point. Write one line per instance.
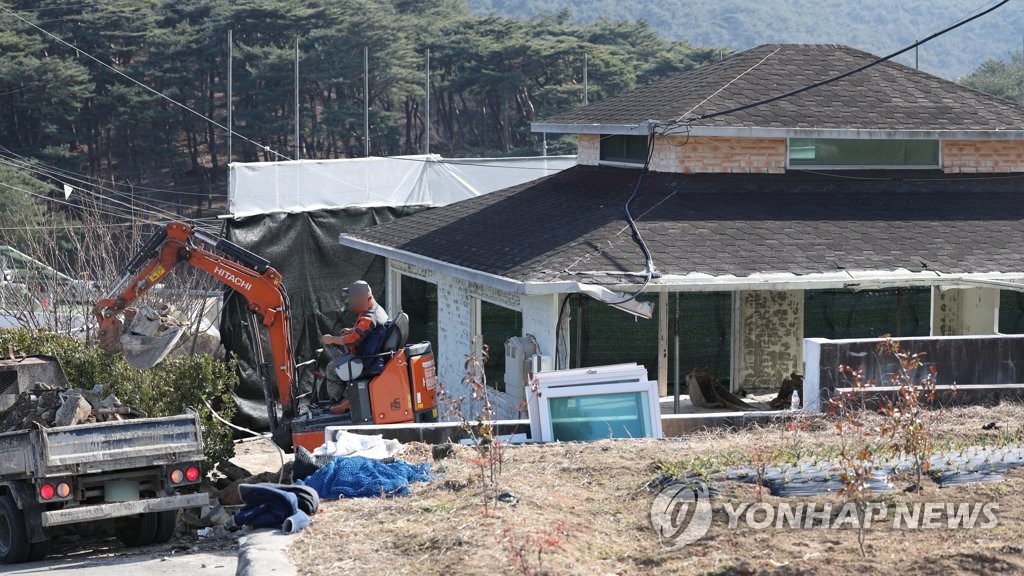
(399, 384)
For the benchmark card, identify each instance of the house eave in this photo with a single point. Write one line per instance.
(428, 263)
(846, 279)
(753, 132)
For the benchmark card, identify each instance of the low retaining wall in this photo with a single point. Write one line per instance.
(984, 368)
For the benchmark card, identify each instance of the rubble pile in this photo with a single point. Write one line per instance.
(49, 408)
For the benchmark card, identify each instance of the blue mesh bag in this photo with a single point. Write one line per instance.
(359, 477)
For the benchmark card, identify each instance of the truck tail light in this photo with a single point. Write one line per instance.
(63, 490)
(47, 491)
(188, 474)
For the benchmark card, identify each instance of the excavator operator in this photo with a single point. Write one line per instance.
(346, 367)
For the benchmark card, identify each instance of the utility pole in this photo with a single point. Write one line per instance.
(366, 99)
(426, 114)
(230, 106)
(586, 84)
(917, 61)
(296, 97)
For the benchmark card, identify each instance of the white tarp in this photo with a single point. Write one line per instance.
(305, 185)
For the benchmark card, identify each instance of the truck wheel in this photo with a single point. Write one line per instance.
(166, 523)
(38, 550)
(138, 531)
(13, 536)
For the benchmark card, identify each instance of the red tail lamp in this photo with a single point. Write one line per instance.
(47, 491)
(189, 474)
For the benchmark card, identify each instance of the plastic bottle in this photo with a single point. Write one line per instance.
(794, 401)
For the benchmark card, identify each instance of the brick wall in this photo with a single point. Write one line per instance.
(588, 149)
(768, 155)
(981, 156)
(702, 154)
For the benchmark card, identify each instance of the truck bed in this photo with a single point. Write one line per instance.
(101, 447)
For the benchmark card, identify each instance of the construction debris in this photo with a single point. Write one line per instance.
(150, 335)
(50, 408)
(74, 410)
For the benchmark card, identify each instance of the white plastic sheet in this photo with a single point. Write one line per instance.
(340, 442)
(306, 185)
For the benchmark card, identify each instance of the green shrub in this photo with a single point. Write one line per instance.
(170, 388)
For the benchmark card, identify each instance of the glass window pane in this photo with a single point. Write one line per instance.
(618, 148)
(844, 152)
(584, 418)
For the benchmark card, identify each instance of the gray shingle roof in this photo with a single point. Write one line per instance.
(889, 96)
(570, 226)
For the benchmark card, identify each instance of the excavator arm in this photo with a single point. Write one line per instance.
(238, 269)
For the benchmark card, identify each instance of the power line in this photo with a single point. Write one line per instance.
(142, 85)
(152, 210)
(847, 74)
(62, 175)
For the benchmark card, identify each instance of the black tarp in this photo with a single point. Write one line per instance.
(304, 248)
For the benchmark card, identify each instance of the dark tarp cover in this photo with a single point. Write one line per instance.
(304, 248)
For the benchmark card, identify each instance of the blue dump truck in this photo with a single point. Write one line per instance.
(132, 473)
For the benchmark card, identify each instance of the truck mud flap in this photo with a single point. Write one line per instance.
(119, 509)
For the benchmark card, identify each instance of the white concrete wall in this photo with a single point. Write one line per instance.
(965, 311)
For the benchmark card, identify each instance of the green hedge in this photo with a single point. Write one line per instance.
(171, 387)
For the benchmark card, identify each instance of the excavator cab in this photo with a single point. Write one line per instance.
(397, 383)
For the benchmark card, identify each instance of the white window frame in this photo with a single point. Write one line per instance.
(650, 387)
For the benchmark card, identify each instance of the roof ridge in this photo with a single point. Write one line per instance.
(890, 96)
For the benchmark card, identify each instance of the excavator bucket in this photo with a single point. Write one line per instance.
(149, 338)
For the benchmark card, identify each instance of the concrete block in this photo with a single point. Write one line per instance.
(74, 411)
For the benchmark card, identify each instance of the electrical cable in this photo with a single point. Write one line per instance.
(849, 73)
(649, 270)
(280, 452)
(71, 174)
(123, 209)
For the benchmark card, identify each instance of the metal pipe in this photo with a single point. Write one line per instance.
(675, 363)
(426, 121)
(296, 97)
(366, 99)
(230, 124)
